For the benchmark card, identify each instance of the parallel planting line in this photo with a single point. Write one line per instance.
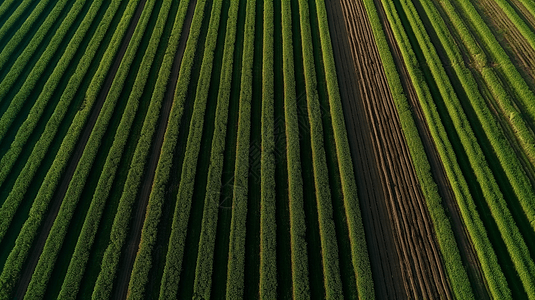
(205, 257)
(13, 266)
(121, 221)
(236, 260)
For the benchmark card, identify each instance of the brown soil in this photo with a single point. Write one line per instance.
(404, 253)
(123, 277)
(516, 46)
(55, 204)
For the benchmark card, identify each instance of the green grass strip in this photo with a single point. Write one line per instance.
(21, 8)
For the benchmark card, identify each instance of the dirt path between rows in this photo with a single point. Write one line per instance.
(37, 249)
(139, 217)
(404, 253)
(467, 251)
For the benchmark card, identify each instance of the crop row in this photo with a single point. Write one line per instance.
(50, 252)
(519, 23)
(7, 4)
(509, 231)
(485, 252)
(8, 212)
(515, 80)
(29, 230)
(359, 253)
(120, 225)
(28, 52)
(268, 225)
(299, 254)
(11, 46)
(183, 204)
(205, 256)
(56, 236)
(329, 246)
(236, 259)
(26, 129)
(448, 246)
(14, 17)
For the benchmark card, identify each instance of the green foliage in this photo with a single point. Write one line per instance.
(18, 254)
(299, 256)
(17, 68)
(120, 225)
(205, 256)
(185, 191)
(236, 259)
(268, 225)
(359, 252)
(448, 246)
(329, 246)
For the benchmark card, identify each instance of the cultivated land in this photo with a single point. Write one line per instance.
(300, 149)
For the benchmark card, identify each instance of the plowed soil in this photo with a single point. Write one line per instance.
(404, 253)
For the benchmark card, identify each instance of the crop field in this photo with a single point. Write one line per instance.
(267, 149)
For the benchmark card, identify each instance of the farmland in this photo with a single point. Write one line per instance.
(300, 149)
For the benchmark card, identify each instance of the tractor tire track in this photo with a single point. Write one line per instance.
(404, 252)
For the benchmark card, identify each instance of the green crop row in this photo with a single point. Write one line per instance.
(205, 256)
(268, 225)
(485, 252)
(448, 246)
(509, 231)
(496, 87)
(56, 237)
(236, 255)
(329, 245)
(26, 129)
(89, 229)
(20, 98)
(120, 226)
(509, 161)
(519, 23)
(28, 172)
(529, 5)
(18, 254)
(13, 18)
(7, 161)
(359, 249)
(5, 6)
(515, 80)
(121, 222)
(28, 52)
(299, 256)
(182, 210)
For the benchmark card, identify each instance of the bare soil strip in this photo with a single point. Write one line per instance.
(33, 258)
(404, 253)
(123, 277)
